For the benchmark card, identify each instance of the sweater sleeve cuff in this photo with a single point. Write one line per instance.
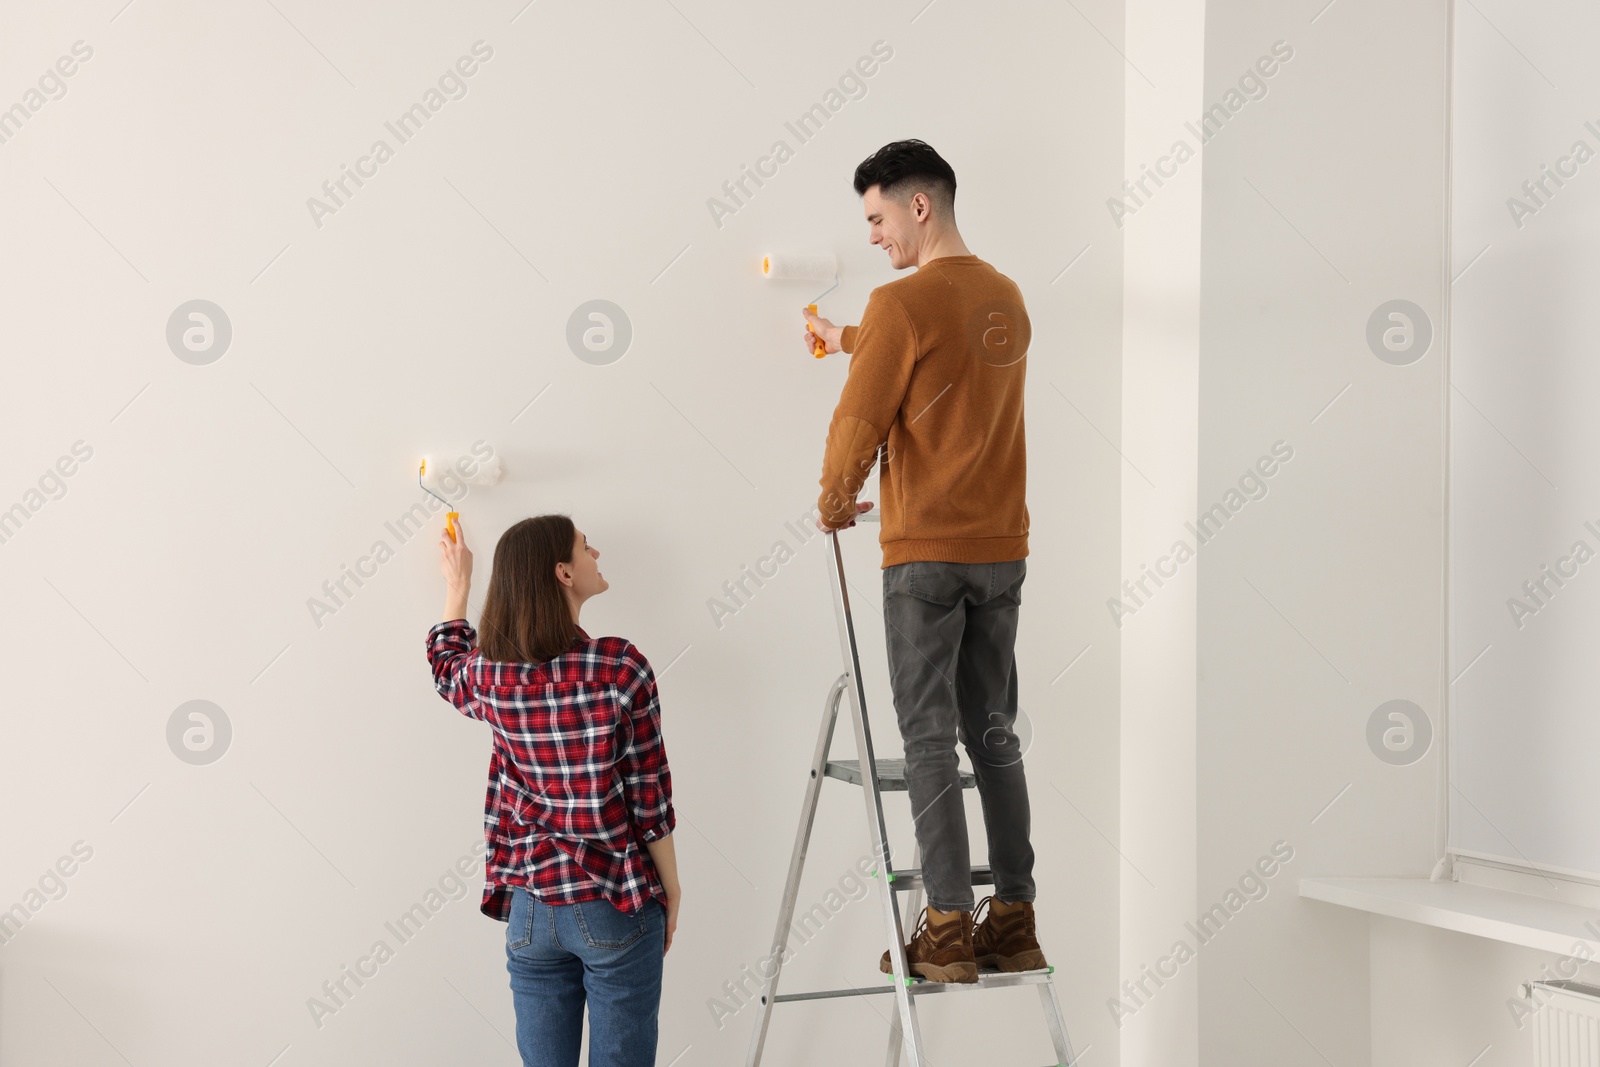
(847, 339)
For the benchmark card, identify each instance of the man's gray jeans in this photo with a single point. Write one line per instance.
(952, 629)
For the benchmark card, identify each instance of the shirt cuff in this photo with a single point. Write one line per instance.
(661, 828)
(847, 339)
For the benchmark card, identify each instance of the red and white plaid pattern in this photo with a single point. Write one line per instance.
(578, 777)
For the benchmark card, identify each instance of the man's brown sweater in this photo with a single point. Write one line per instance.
(936, 374)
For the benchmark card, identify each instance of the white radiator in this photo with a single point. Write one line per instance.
(1567, 1025)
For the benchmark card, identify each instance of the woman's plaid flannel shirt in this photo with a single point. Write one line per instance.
(578, 777)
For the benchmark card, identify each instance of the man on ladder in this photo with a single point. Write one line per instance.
(935, 388)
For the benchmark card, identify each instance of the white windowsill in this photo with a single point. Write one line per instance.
(1498, 914)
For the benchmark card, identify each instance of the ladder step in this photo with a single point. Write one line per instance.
(825, 994)
(986, 980)
(911, 878)
(891, 774)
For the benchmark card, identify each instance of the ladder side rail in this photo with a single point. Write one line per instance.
(797, 860)
(877, 833)
(1057, 1026)
(913, 906)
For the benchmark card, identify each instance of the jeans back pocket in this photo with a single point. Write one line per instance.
(937, 583)
(519, 924)
(603, 925)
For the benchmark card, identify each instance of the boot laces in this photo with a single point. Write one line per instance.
(922, 928)
(1021, 917)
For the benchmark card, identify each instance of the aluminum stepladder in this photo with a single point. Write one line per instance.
(875, 777)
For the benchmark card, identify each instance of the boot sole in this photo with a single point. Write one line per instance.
(960, 972)
(1030, 960)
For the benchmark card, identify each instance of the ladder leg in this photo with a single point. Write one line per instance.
(914, 898)
(797, 860)
(911, 1030)
(877, 837)
(905, 1033)
(1056, 1025)
(913, 906)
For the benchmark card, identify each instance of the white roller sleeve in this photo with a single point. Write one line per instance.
(797, 268)
(488, 471)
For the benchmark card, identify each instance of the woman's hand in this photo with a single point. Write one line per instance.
(455, 563)
(672, 919)
(664, 857)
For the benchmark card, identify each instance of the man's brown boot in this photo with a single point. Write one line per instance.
(1005, 938)
(940, 950)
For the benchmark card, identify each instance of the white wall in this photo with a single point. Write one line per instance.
(1320, 600)
(425, 314)
(1157, 624)
(1441, 998)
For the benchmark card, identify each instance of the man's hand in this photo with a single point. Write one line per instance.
(826, 330)
(862, 507)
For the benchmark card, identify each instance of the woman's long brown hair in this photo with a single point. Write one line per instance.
(526, 616)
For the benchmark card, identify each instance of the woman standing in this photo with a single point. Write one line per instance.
(579, 812)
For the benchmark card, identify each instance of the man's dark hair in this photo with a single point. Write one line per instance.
(903, 168)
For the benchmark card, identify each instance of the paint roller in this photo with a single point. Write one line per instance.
(804, 268)
(430, 471)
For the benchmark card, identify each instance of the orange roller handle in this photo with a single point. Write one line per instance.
(819, 348)
(450, 518)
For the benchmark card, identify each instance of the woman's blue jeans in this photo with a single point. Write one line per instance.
(563, 955)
